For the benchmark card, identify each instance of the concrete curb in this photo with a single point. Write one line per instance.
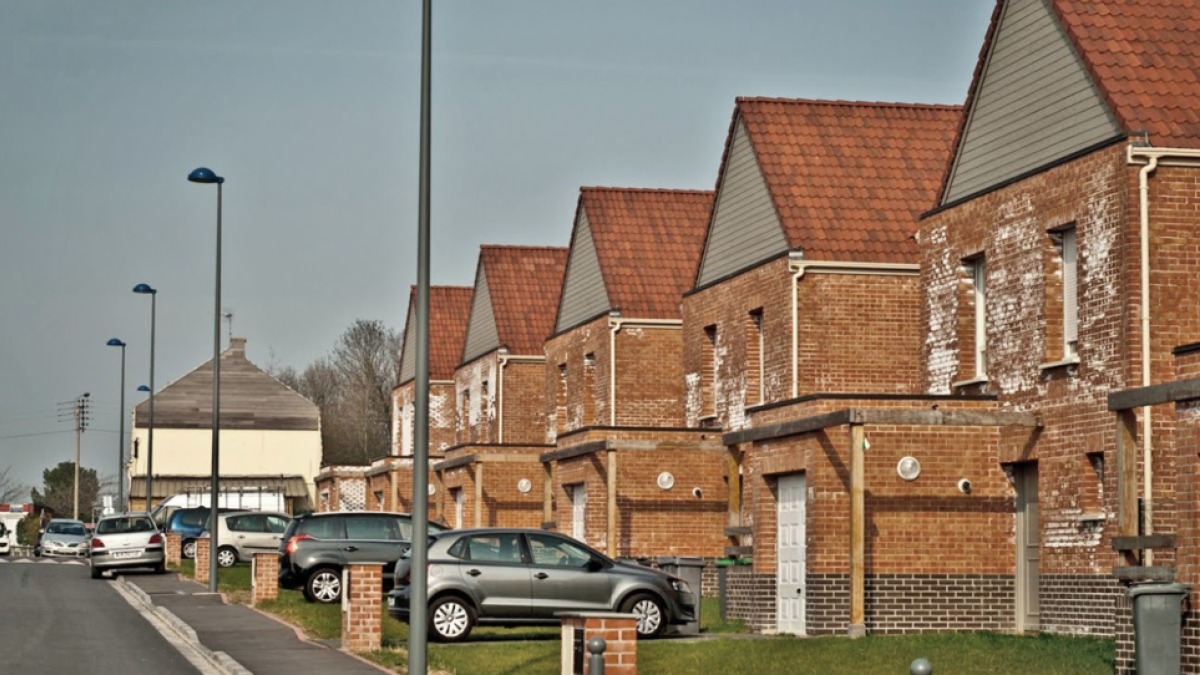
(220, 660)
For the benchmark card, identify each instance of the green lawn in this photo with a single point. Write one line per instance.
(229, 579)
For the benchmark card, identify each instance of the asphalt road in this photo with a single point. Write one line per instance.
(57, 619)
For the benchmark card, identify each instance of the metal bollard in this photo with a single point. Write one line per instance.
(921, 667)
(596, 646)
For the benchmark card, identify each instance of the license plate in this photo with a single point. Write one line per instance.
(127, 554)
(391, 602)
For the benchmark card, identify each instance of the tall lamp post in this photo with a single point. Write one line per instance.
(121, 434)
(146, 289)
(208, 177)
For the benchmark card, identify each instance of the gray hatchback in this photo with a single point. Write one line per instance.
(526, 577)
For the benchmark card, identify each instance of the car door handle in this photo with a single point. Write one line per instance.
(474, 573)
(351, 549)
(541, 575)
(241, 536)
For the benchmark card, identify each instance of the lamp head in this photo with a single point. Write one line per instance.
(144, 289)
(204, 175)
(115, 343)
(143, 388)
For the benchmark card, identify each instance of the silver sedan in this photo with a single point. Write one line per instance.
(127, 540)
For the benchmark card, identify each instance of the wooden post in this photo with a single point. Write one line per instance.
(478, 493)
(612, 504)
(1127, 481)
(547, 492)
(735, 487)
(394, 480)
(858, 542)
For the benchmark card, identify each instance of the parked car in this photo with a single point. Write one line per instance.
(513, 577)
(127, 540)
(190, 524)
(258, 500)
(64, 538)
(244, 534)
(315, 548)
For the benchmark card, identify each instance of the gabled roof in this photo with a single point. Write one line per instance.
(449, 310)
(648, 243)
(522, 286)
(848, 179)
(1142, 57)
(250, 399)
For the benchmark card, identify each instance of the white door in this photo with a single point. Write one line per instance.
(579, 511)
(1029, 547)
(458, 508)
(789, 554)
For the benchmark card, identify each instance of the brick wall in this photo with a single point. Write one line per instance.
(1079, 604)
(619, 634)
(750, 596)
(857, 333)
(441, 417)
(200, 570)
(504, 505)
(174, 548)
(266, 577)
(362, 613)
(478, 408)
(650, 385)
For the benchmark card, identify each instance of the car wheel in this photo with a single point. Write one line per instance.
(97, 573)
(324, 586)
(450, 619)
(650, 613)
(226, 557)
(189, 550)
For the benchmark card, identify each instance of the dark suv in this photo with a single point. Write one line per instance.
(526, 577)
(315, 548)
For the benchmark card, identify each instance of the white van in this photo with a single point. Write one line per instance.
(249, 500)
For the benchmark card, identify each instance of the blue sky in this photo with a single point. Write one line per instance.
(310, 110)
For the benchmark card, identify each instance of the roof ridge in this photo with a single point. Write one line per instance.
(521, 247)
(413, 287)
(842, 102)
(606, 188)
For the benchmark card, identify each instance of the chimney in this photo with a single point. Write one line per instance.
(237, 346)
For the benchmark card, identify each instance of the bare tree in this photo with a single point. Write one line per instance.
(12, 489)
(353, 388)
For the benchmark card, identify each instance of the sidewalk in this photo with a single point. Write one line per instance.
(259, 643)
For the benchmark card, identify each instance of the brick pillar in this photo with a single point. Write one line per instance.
(362, 607)
(174, 548)
(201, 572)
(618, 630)
(266, 577)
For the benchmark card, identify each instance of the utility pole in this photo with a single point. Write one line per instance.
(81, 421)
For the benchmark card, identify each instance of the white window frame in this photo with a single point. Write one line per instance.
(979, 291)
(1070, 258)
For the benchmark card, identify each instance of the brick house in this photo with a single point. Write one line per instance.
(488, 474)
(626, 475)
(803, 341)
(1058, 270)
(391, 477)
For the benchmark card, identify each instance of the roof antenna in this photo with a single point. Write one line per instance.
(228, 316)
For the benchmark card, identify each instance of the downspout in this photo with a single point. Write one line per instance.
(1152, 157)
(1147, 436)
(799, 267)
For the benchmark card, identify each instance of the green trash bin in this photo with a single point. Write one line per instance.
(1157, 625)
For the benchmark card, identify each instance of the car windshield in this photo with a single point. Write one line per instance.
(124, 525)
(75, 529)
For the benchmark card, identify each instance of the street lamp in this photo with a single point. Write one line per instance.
(208, 177)
(145, 289)
(121, 437)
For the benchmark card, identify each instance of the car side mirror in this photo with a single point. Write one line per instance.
(594, 565)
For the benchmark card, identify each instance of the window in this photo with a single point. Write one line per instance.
(708, 371)
(464, 417)
(379, 500)
(484, 423)
(1070, 269)
(406, 430)
(560, 406)
(372, 528)
(323, 528)
(550, 550)
(589, 389)
(277, 524)
(754, 358)
(979, 295)
(500, 548)
(253, 522)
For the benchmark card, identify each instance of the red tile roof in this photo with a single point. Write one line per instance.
(1143, 56)
(524, 283)
(449, 311)
(648, 243)
(849, 178)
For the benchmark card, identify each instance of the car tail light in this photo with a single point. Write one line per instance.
(96, 543)
(291, 545)
(155, 539)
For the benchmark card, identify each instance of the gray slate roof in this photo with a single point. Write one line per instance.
(250, 399)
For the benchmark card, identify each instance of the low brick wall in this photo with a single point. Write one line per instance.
(266, 577)
(750, 596)
(200, 572)
(618, 631)
(362, 607)
(174, 548)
